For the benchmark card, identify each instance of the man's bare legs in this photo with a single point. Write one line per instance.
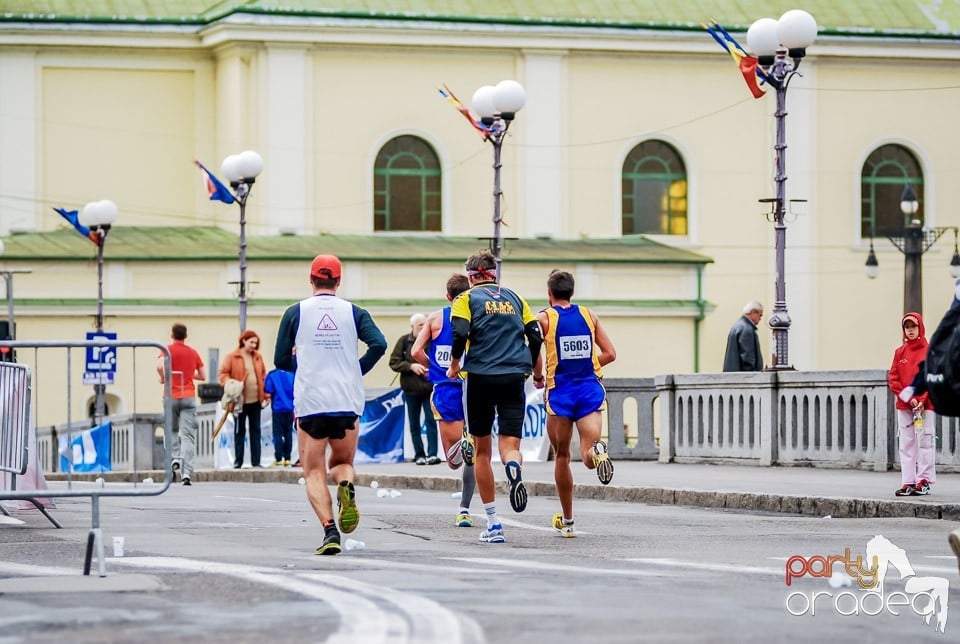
(313, 456)
(560, 432)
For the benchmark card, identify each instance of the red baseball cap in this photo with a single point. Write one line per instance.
(325, 267)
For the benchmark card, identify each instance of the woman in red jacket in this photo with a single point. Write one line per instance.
(246, 365)
(917, 450)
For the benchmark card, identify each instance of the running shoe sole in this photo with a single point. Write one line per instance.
(349, 514)
(492, 536)
(332, 548)
(464, 520)
(468, 449)
(602, 462)
(518, 493)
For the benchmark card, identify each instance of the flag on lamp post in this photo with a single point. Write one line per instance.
(73, 217)
(216, 190)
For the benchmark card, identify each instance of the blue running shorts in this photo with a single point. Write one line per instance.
(447, 402)
(575, 400)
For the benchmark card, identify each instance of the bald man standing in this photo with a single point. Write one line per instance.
(416, 393)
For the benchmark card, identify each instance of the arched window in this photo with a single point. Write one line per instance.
(886, 173)
(654, 186)
(406, 186)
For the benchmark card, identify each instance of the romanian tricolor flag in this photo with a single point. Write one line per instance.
(746, 63)
(474, 121)
(73, 217)
(216, 190)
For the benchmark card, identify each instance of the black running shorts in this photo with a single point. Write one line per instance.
(321, 426)
(502, 396)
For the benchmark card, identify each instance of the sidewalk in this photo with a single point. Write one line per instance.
(793, 490)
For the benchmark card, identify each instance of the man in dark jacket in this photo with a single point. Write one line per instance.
(743, 344)
(416, 393)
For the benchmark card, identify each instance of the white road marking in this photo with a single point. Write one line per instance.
(940, 569)
(28, 570)
(361, 620)
(383, 563)
(430, 622)
(713, 567)
(253, 498)
(537, 565)
(371, 627)
(513, 523)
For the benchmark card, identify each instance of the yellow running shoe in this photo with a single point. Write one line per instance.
(349, 514)
(565, 529)
(601, 461)
(464, 520)
(330, 545)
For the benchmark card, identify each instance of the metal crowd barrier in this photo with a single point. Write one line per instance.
(15, 430)
(15, 388)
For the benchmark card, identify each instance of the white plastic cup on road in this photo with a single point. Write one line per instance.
(118, 546)
(382, 493)
(394, 493)
(302, 481)
(353, 544)
(374, 485)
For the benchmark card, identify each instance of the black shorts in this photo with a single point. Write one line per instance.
(487, 396)
(321, 426)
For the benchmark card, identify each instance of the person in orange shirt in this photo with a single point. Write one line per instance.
(246, 365)
(185, 367)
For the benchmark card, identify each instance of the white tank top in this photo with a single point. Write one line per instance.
(328, 379)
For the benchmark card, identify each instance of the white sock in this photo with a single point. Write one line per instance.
(567, 521)
(491, 510)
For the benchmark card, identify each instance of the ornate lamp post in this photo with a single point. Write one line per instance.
(241, 170)
(497, 107)
(773, 41)
(913, 242)
(99, 216)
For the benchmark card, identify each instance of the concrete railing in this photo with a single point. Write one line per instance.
(822, 418)
(825, 418)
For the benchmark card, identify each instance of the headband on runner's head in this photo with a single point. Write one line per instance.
(483, 273)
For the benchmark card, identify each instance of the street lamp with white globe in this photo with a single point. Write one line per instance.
(242, 170)
(99, 216)
(773, 42)
(497, 107)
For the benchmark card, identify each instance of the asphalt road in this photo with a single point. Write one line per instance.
(233, 562)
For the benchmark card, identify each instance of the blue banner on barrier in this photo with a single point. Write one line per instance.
(381, 429)
(88, 451)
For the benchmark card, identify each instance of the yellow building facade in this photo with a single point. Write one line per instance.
(96, 106)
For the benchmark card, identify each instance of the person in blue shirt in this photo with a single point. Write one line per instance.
(279, 386)
(577, 347)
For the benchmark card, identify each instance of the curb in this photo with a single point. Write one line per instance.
(835, 507)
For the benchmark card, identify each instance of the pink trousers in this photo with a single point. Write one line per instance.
(917, 456)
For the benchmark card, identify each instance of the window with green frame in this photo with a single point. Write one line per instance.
(654, 186)
(406, 186)
(886, 173)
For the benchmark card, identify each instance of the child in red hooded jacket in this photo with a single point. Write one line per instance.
(917, 451)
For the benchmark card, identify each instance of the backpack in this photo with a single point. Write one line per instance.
(942, 368)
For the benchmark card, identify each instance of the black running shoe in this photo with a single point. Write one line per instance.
(518, 493)
(331, 543)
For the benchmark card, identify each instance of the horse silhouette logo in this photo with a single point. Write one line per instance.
(933, 591)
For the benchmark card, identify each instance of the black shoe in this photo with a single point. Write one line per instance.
(923, 488)
(518, 493)
(331, 543)
(186, 480)
(433, 460)
(236, 467)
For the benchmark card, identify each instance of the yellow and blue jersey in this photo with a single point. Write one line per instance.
(570, 343)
